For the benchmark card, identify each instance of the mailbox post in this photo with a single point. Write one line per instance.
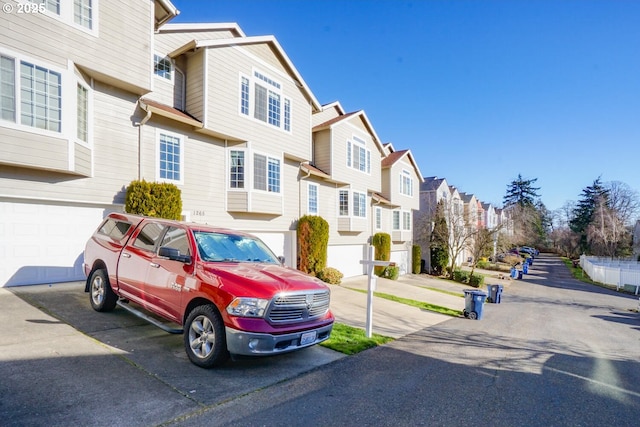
(371, 285)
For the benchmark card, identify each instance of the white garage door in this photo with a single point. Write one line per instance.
(43, 243)
(346, 258)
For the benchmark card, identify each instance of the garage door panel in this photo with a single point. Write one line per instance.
(44, 243)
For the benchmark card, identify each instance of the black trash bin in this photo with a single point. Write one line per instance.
(473, 303)
(495, 293)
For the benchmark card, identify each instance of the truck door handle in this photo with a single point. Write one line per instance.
(126, 255)
(154, 265)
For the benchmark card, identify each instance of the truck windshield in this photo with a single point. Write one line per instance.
(221, 247)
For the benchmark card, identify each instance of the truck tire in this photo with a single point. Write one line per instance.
(204, 337)
(100, 293)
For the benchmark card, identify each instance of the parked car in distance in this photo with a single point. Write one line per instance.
(225, 289)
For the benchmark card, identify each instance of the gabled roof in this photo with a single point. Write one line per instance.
(466, 197)
(432, 183)
(164, 11)
(309, 169)
(195, 27)
(241, 41)
(349, 116)
(380, 199)
(395, 156)
(334, 104)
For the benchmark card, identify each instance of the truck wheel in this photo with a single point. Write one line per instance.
(204, 337)
(101, 295)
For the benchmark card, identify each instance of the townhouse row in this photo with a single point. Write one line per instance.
(93, 98)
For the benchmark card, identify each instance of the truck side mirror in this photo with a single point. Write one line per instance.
(281, 259)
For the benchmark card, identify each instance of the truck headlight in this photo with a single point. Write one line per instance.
(247, 307)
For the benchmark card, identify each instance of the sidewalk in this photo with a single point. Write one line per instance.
(349, 303)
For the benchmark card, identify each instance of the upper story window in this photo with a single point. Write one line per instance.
(31, 98)
(358, 157)
(396, 220)
(83, 113)
(236, 176)
(40, 97)
(262, 98)
(162, 67)
(266, 171)
(170, 157)
(83, 13)
(312, 199)
(406, 183)
(79, 13)
(358, 207)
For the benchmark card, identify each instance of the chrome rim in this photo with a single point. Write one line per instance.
(201, 336)
(97, 290)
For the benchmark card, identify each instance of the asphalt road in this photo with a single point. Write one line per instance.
(555, 352)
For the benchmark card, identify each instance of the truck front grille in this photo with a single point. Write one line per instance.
(297, 307)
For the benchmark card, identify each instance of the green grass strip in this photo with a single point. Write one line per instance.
(421, 305)
(349, 340)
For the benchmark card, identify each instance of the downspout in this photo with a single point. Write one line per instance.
(139, 125)
(300, 191)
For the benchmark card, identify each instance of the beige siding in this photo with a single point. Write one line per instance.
(324, 116)
(322, 149)
(34, 150)
(195, 85)
(120, 24)
(223, 102)
(237, 201)
(340, 171)
(82, 159)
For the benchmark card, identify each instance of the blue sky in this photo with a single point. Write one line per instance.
(479, 91)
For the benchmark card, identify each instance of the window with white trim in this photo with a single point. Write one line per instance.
(406, 221)
(378, 218)
(396, 220)
(262, 98)
(406, 183)
(7, 89)
(170, 157)
(83, 13)
(82, 131)
(79, 13)
(312, 199)
(343, 203)
(237, 165)
(40, 97)
(359, 204)
(162, 67)
(358, 157)
(266, 173)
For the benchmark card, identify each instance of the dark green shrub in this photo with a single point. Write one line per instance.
(390, 272)
(330, 275)
(382, 250)
(155, 199)
(461, 276)
(476, 280)
(313, 239)
(439, 260)
(416, 260)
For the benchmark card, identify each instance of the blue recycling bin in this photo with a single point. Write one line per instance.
(519, 274)
(525, 268)
(495, 293)
(530, 261)
(514, 273)
(473, 303)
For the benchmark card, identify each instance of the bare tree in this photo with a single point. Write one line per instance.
(607, 233)
(623, 200)
(482, 244)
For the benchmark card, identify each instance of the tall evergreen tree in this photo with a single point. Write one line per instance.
(584, 210)
(521, 192)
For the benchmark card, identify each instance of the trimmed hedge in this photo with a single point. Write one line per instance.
(155, 199)
(382, 250)
(416, 259)
(313, 239)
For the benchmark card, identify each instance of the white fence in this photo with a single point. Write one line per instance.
(620, 273)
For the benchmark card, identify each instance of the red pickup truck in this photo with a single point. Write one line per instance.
(225, 289)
